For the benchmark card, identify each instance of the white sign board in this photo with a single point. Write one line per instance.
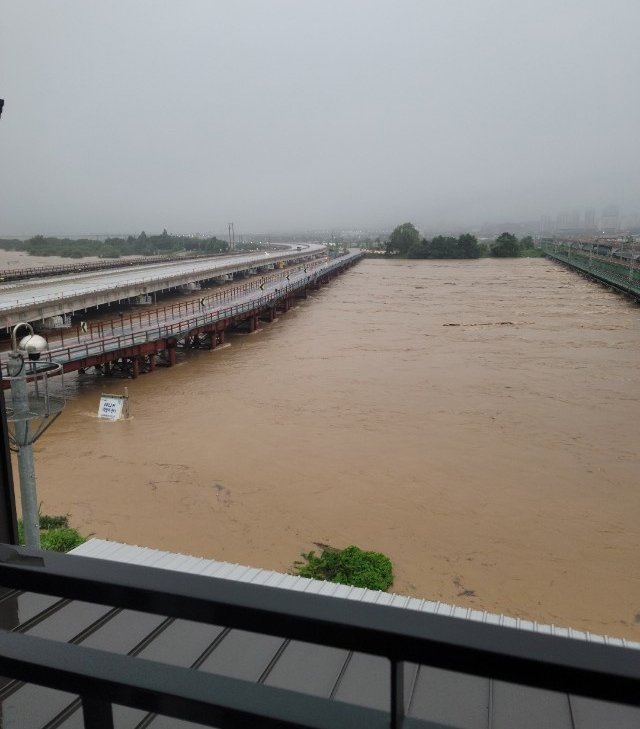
(112, 407)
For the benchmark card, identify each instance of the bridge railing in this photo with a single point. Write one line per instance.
(14, 274)
(620, 276)
(114, 343)
(170, 311)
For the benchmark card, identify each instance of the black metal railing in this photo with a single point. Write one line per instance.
(101, 679)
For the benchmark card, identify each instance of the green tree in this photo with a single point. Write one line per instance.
(350, 566)
(108, 251)
(402, 238)
(506, 246)
(468, 246)
(55, 534)
(419, 250)
(39, 246)
(444, 246)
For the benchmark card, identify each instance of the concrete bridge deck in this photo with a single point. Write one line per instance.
(38, 299)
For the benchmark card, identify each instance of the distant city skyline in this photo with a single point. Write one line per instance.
(606, 219)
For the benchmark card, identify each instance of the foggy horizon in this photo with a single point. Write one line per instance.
(284, 116)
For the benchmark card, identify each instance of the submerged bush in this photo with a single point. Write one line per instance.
(350, 566)
(55, 534)
(53, 522)
(60, 540)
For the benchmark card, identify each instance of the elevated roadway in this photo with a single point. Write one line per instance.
(36, 300)
(140, 341)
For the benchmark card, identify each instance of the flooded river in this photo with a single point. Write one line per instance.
(476, 421)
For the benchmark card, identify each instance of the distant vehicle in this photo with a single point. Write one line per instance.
(299, 248)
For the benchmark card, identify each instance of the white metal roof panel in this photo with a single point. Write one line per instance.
(156, 558)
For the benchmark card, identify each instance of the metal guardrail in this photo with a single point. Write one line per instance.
(16, 274)
(601, 269)
(170, 311)
(114, 343)
(199, 273)
(598, 671)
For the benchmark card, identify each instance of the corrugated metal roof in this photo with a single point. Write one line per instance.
(452, 699)
(167, 560)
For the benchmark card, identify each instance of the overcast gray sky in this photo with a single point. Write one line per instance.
(123, 115)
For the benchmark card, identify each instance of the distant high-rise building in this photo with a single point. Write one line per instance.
(574, 219)
(589, 219)
(546, 224)
(610, 222)
(632, 222)
(568, 222)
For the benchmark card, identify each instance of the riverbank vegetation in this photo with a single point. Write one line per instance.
(55, 534)
(350, 566)
(141, 245)
(405, 242)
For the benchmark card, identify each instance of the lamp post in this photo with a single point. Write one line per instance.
(25, 373)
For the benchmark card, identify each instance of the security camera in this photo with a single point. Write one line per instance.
(34, 345)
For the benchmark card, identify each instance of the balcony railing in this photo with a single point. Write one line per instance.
(101, 678)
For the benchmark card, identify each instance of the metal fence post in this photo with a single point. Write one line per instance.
(97, 714)
(397, 693)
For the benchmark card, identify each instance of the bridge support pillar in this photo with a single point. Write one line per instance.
(171, 352)
(135, 367)
(252, 324)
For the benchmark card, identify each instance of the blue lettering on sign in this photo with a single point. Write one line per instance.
(109, 408)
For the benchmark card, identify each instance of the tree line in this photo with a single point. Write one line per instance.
(141, 245)
(405, 241)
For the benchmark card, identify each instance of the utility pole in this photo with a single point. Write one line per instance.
(24, 371)
(16, 367)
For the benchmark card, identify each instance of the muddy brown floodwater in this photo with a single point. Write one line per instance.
(476, 421)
